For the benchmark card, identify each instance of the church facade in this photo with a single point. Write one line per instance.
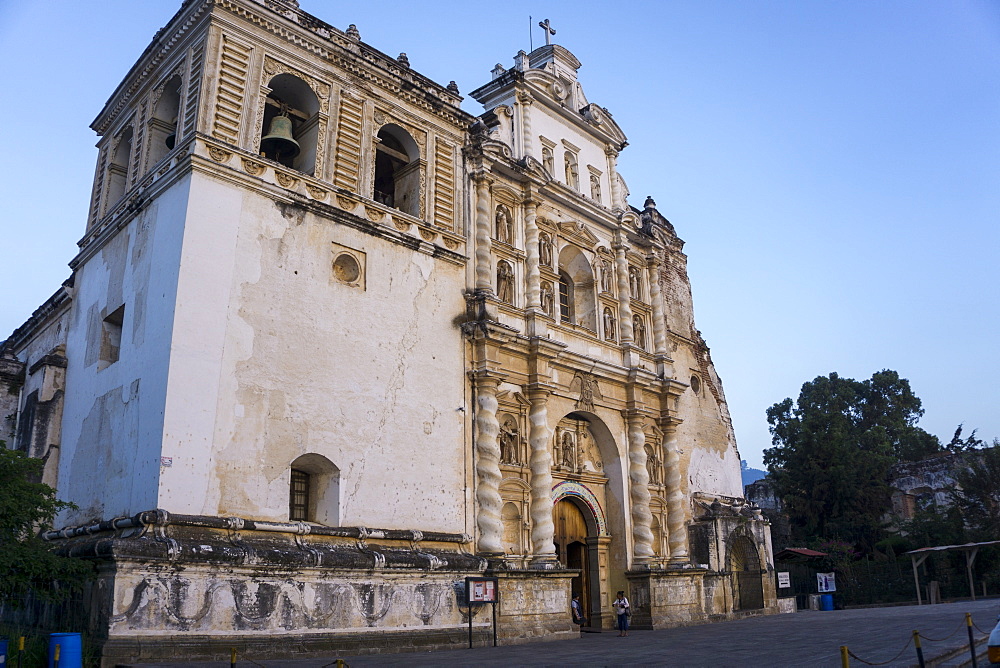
(332, 344)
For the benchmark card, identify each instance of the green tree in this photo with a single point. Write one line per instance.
(27, 563)
(832, 451)
(977, 492)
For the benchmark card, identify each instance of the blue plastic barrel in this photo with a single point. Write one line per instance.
(3, 653)
(826, 602)
(70, 650)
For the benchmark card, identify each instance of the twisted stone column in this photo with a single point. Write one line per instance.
(656, 297)
(525, 103)
(488, 501)
(612, 154)
(533, 289)
(484, 241)
(539, 439)
(676, 511)
(638, 477)
(624, 294)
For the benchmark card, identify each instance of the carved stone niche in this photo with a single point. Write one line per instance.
(512, 416)
(574, 449)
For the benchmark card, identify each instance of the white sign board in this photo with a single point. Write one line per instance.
(784, 580)
(825, 583)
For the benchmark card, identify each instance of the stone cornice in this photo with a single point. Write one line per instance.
(164, 42)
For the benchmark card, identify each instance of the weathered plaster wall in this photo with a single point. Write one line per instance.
(369, 376)
(112, 424)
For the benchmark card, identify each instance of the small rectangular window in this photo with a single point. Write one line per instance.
(298, 498)
(111, 338)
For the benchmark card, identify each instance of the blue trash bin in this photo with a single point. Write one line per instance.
(3, 653)
(70, 650)
(826, 602)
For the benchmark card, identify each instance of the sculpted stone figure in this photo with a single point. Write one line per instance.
(505, 227)
(606, 276)
(609, 324)
(639, 331)
(548, 298)
(635, 282)
(545, 249)
(508, 442)
(505, 282)
(568, 448)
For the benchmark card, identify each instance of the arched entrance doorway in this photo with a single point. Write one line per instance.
(748, 577)
(570, 538)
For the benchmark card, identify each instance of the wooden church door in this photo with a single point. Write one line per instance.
(571, 548)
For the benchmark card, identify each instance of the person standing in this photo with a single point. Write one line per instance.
(623, 611)
(578, 617)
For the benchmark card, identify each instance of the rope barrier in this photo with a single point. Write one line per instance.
(976, 626)
(916, 635)
(962, 624)
(881, 663)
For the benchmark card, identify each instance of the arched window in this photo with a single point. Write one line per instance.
(397, 170)
(577, 298)
(291, 124)
(163, 124)
(314, 490)
(565, 297)
(118, 169)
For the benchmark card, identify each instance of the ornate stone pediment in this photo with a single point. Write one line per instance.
(578, 232)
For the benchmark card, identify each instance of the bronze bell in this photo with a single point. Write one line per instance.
(171, 140)
(279, 142)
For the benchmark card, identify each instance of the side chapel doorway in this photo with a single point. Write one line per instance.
(570, 539)
(748, 576)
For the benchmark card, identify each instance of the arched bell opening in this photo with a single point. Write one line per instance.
(290, 129)
(118, 168)
(397, 170)
(163, 122)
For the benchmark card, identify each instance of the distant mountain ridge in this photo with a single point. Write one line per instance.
(750, 475)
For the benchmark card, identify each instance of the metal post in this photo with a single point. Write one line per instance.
(916, 578)
(495, 623)
(20, 650)
(972, 643)
(470, 624)
(232, 657)
(56, 656)
(920, 651)
(845, 661)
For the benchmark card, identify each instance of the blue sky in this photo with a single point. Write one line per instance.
(833, 167)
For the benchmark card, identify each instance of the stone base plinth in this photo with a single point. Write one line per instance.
(666, 598)
(534, 605)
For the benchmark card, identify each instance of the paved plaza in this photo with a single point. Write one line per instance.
(806, 638)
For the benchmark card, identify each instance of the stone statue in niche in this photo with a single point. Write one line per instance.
(639, 331)
(545, 249)
(635, 282)
(568, 449)
(505, 226)
(509, 439)
(505, 282)
(653, 466)
(595, 187)
(548, 298)
(609, 324)
(605, 276)
(548, 161)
